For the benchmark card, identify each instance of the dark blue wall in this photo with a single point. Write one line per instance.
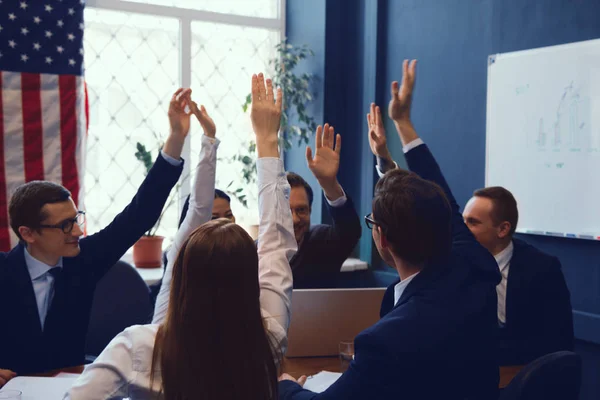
(452, 39)
(363, 45)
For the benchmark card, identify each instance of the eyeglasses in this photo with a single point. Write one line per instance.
(67, 225)
(301, 211)
(370, 221)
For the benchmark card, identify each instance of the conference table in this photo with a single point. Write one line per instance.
(299, 366)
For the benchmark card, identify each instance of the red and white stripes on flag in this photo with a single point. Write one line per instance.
(43, 129)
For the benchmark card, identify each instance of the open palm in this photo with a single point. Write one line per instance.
(326, 161)
(179, 118)
(399, 107)
(377, 138)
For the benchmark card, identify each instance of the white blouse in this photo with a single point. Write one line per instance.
(123, 369)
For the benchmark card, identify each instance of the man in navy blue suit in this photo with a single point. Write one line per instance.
(436, 338)
(534, 303)
(47, 281)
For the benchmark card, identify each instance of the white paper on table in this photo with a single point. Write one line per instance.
(320, 382)
(41, 388)
(67, 375)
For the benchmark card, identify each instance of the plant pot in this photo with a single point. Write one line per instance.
(147, 252)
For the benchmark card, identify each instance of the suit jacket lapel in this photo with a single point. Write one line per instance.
(513, 281)
(24, 298)
(387, 303)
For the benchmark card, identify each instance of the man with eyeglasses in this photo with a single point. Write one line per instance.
(322, 249)
(47, 281)
(437, 336)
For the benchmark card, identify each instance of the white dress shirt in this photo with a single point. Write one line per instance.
(123, 368)
(401, 286)
(503, 259)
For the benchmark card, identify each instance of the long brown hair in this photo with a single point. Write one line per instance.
(213, 344)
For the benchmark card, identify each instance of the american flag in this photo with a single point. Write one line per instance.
(43, 102)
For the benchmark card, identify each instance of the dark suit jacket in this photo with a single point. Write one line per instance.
(440, 340)
(325, 248)
(24, 347)
(539, 318)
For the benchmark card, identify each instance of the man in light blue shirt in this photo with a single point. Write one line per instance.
(50, 276)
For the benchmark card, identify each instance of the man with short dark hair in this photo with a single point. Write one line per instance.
(322, 249)
(534, 303)
(436, 338)
(47, 281)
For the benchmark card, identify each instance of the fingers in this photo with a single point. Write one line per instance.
(404, 71)
(269, 93)
(261, 87)
(302, 380)
(309, 156)
(338, 143)
(286, 377)
(369, 123)
(412, 72)
(331, 137)
(319, 138)
(185, 97)
(378, 119)
(279, 99)
(327, 136)
(176, 94)
(395, 89)
(255, 91)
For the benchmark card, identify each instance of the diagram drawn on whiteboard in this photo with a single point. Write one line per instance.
(569, 128)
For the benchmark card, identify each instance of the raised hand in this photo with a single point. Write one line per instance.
(377, 138)
(207, 123)
(179, 118)
(266, 116)
(399, 107)
(326, 161)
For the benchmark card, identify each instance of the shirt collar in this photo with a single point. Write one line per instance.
(401, 286)
(37, 268)
(503, 258)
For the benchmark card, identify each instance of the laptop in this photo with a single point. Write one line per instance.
(322, 318)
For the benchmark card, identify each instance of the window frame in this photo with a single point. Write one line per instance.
(186, 17)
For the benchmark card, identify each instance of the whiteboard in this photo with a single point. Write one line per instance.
(543, 136)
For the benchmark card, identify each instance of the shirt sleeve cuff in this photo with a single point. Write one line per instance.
(210, 141)
(415, 143)
(380, 173)
(340, 201)
(170, 160)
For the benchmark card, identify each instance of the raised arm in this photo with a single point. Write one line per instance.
(276, 243)
(345, 230)
(418, 157)
(103, 249)
(200, 206)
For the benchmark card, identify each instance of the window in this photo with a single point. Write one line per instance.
(136, 56)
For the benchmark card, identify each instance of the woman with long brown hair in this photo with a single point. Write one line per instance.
(223, 328)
